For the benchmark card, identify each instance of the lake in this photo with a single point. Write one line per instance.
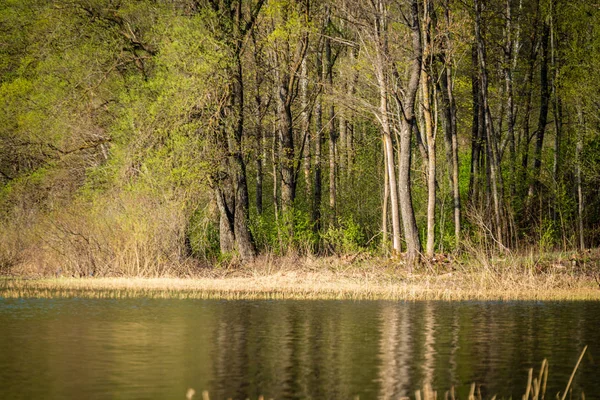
(157, 349)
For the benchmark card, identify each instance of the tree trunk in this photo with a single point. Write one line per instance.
(306, 156)
(259, 169)
(391, 171)
(492, 149)
(429, 131)
(578, 150)
(384, 208)
(224, 199)
(276, 172)
(451, 141)
(260, 140)
(510, 108)
(232, 191)
(525, 139)
(342, 142)
(454, 136)
(331, 127)
(534, 186)
(381, 75)
(476, 131)
(286, 140)
(318, 178)
(243, 236)
(407, 120)
(558, 116)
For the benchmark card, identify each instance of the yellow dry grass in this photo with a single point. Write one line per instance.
(323, 279)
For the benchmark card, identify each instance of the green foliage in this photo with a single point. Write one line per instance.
(347, 237)
(548, 235)
(203, 236)
(288, 233)
(114, 114)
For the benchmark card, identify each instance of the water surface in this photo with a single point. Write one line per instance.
(156, 349)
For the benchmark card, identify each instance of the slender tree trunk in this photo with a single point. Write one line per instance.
(286, 139)
(558, 115)
(332, 168)
(525, 139)
(508, 76)
(429, 130)
(306, 157)
(451, 142)
(381, 75)
(431, 182)
(318, 179)
(386, 195)
(349, 124)
(391, 171)
(534, 186)
(259, 169)
(455, 165)
(260, 136)
(331, 128)
(342, 142)
(495, 174)
(243, 236)
(275, 171)
(476, 131)
(407, 121)
(578, 150)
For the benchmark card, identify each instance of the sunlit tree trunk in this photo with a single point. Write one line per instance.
(407, 121)
(429, 128)
(384, 208)
(451, 134)
(382, 81)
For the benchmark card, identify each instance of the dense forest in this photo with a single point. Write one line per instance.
(144, 136)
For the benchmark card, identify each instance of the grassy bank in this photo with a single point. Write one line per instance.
(338, 278)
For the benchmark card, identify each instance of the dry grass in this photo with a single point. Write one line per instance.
(329, 278)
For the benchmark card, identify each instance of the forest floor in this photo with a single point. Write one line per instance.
(573, 276)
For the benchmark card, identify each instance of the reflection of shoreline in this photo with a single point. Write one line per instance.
(429, 346)
(292, 349)
(356, 284)
(395, 351)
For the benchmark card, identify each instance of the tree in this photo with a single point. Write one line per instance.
(234, 23)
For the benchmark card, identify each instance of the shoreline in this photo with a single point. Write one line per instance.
(316, 285)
